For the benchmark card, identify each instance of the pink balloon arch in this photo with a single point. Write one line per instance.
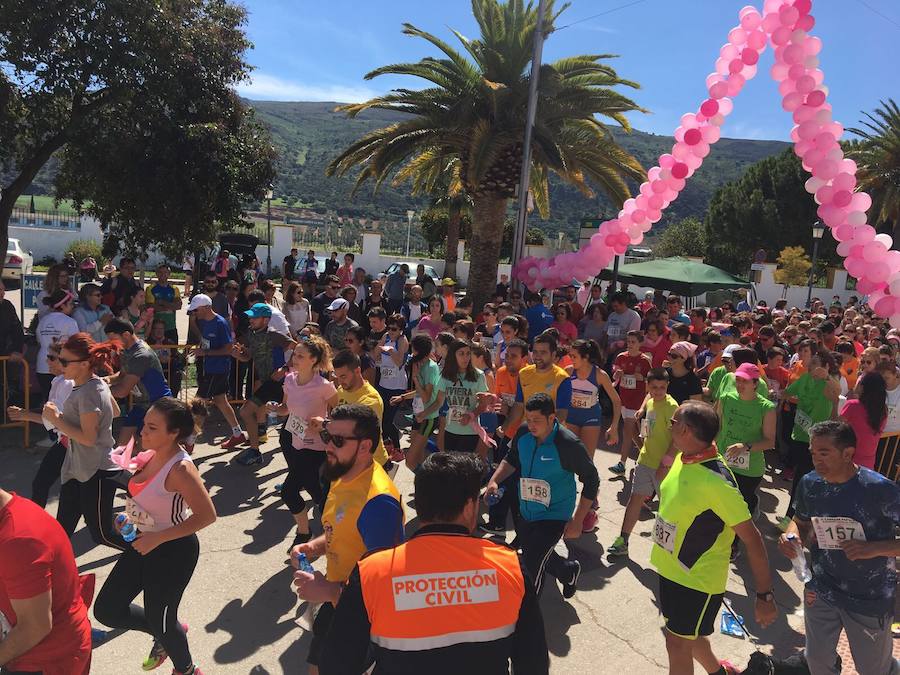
(786, 25)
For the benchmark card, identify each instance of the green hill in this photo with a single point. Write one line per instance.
(308, 135)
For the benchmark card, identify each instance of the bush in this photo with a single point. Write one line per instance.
(82, 248)
(46, 261)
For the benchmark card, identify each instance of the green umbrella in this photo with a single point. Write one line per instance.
(685, 277)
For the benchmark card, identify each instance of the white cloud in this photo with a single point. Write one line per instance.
(271, 88)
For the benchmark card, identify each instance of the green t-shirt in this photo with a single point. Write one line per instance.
(742, 422)
(727, 386)
(460, 398)
(659, 431)
(812, 405)
(715, 381)
(698, 506)
(429, 373)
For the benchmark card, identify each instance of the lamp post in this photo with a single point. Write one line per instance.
(817, 232)
(410, 214)
(269, 195)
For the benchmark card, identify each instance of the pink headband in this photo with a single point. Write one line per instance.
(66, 298)
(684, 349)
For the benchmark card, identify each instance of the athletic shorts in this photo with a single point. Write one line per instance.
(644, 482)
(135, 417)
(627, 414)
(212, 385)
(689, 613)
(427, 427)
(585, 417)
(460, 442)
(320, 628)
(270, 390)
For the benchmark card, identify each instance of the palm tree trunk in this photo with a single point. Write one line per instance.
(454, 217)
(487, 235)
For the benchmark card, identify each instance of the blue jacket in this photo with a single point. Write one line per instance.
(539, 320)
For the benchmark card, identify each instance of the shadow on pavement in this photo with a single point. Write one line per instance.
(259, 621)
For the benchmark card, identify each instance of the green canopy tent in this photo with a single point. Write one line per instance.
(687, 278)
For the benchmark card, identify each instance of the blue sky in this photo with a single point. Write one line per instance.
(309, 50)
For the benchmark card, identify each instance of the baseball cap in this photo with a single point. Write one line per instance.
(728, 352)
(338, 303)
(748, 371)
(198, 301)
(259, 311)
(447, 281)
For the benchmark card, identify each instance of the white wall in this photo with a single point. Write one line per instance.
(53, 241)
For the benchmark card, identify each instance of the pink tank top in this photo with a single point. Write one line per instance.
(151, 507)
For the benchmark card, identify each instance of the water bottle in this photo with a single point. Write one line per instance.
(126, 528)
(801, 568)
(494, 499)
(731, 624)
(306, 620)
(304, 564)
(272, 417)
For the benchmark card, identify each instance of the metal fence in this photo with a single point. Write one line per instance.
(57, 220)
(17, 373)
(336, 237)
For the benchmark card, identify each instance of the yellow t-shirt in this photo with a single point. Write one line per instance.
(534, 381)
(657, 425)
(351, 529)
(368, 396)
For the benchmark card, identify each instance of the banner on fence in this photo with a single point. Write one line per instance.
(32, 285)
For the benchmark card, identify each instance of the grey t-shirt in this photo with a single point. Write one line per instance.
(83, 461)
(334, 333)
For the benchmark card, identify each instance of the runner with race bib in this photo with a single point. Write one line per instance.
(306, 395)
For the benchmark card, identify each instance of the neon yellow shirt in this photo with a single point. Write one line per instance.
(659, 417)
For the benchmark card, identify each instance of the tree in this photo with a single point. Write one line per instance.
(877, 156)
(767, 208)
(474, 112)
(685, 238)
(793, 267)
(534, 236)
(116, 90)
(435, 222)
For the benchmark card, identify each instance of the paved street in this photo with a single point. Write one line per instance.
(241, 609)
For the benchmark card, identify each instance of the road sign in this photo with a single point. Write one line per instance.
(32, 285)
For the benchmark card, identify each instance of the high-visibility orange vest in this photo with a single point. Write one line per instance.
(439, 590)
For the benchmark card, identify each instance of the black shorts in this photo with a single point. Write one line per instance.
(460, 442)
(688, 613)
(212, 385)
(321, 626)
(269, 390)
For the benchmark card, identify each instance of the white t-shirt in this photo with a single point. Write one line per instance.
(54, 327)
(892, 425)
(60, 389)
(297, 315)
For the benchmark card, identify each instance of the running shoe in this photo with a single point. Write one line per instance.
(194, 670)
(730, 668)
(589, 522)
(618, 469)
(263, 435)
(158, 655)
(783, 523)
(618, 549)
(568, 589)
(249, 457)
(787, 474)
(493, 528)
(234, 442)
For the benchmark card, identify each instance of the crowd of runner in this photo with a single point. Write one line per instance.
(505, 406)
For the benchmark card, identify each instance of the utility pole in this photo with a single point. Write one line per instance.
(518, 250)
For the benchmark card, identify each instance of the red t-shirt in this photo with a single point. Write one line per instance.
(854, 414)
(632, 389)
(35, 557)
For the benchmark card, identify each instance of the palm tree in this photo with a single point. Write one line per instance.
(878, 157)
(474, 113)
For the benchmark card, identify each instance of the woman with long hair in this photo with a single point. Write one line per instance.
(390, 359)
(91, 315)
(57, 278)
(593, 325)
(424, 375)
(167, 504)
(296, 307)
(430, 324)
(137, 312)
(355, 341)
(568, 331)
(459, 386)
(56, 325)
(867, 415)
(306, 395)
(87, 474)
(656, 342)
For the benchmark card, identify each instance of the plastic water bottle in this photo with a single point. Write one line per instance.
(272, 417)
(494, 499)
(731, 624)
(801, 568)
(126, 528)
(304, 564)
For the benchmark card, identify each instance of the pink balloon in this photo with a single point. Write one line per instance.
(825, 195)
(789, 15)
(681, 151)
(750, 22)
(725, 106)
(655, 202)
(666, 161)
(815, 98)
(658, 186)
(807, 130)
(736, 82)
(844, 181)
(693, 162)
(863, 234)
(679, 170)
(885, 306)
(770, 20)
(812, 45)
(885, 240)
(735, 66)
(701, 149)
(781, 35)
(841, 198)
(737, 36)
(792, 101)
(874, 251)
(710, 106)
(825, 170)
(693, 136)
(806, 84)
(803, 6)
(779, 71)
(860, 201)
(856, 218)
(877, 271)
(729, 51)
(842, 232)
(718, 90)
(749, 56)
(796, 71)
(793, 54)
(710, 133)
(786, 87)
(756, 39)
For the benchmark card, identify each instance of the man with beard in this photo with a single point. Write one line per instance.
(362, 512)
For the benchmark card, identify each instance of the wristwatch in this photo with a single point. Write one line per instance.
(768, 596)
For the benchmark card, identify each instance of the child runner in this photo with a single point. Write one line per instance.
(425, 374)
(168, 504)
(630, 369)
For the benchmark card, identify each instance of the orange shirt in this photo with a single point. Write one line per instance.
(850, 371)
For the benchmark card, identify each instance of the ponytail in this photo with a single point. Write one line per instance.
(588, 349)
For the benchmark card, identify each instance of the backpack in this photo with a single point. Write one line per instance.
(763, 664)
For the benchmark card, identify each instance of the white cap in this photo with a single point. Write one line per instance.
(728, 352)
(198, 301)
(338, 303)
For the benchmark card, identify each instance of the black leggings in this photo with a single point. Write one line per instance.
(47, 474)
(460, 442)
(92, 499)
(389, 430)
(748, 486)
(162, 575)
(538, 539)
(304, 467)
(803, 466)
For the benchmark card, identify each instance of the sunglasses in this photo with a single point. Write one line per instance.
(393, 328)
(335, 440)
(66, 362)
